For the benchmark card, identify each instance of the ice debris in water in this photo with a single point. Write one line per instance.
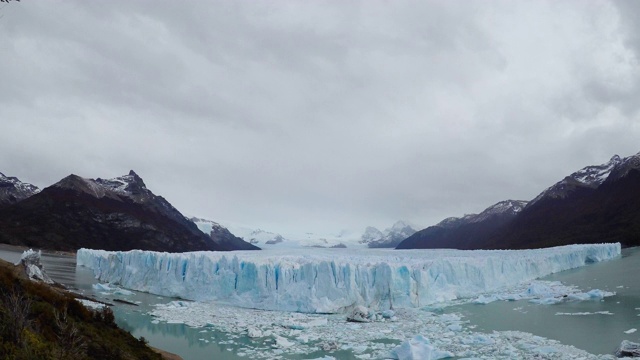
(545, 293)
(365, 286)
(277, 334)
(329, 281)
(107, 288)
(585, 313)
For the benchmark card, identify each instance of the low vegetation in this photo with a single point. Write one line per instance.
(41, 322)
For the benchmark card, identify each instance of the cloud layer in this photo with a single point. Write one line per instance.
(319, 116)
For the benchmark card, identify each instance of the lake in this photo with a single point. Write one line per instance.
(595, 326)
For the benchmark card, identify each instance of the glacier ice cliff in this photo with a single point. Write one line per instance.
(333, 280)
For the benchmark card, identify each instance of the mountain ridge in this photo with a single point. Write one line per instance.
(598, 203)
(12, 190)
(112, 214)
(389, 238)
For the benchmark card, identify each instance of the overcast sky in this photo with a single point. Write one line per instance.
(319, 115)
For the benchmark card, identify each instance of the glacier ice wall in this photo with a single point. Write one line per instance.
(331, 280)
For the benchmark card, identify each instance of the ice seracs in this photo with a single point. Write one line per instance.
(331, 281)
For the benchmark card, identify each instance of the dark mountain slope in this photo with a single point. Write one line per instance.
(467, 232)
(609, 213)
(599, 203)
(221, 235)
(115, 214)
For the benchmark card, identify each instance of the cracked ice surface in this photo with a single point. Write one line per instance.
(333, 280)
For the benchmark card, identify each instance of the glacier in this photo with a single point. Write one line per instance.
(334, 280)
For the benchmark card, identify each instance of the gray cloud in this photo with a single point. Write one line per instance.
(319, 116)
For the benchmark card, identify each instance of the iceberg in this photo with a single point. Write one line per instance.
(333, 280)
(418, 348)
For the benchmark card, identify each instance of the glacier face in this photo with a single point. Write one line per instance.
(333, 280)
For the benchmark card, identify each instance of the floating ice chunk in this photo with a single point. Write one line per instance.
(539, 289)
(282, 342)
(254, 332)
(418, 348)
(101, 287)
(304, 323)
(595, 294)
(361, 314)
(485, 299)
(631, 331)
(478, 339)
(628, 349)
(546, 301)
(585, 313)
(124, 292)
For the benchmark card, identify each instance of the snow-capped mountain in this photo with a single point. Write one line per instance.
(503, 208)
(275, 240)
(467, 231)
(389, 238)
(371, 234)
(221, 235)
(256, 237)
(112, 214)
(626, 165)
(12, 190)
(588, 177)
(595, 204)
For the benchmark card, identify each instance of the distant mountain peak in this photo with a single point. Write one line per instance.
(80, 184)
(390, 237)
(623, 166)
(591, 177)
(222, 236)
(130, 184)
(12, 190)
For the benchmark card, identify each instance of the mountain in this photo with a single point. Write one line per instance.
(221, 235)
(596, 204)
(390, 238)
(12, 190)
(589, 177)
(111, 214)
(465, 232)
(279, 240)
(602, 208)
(252, 236)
